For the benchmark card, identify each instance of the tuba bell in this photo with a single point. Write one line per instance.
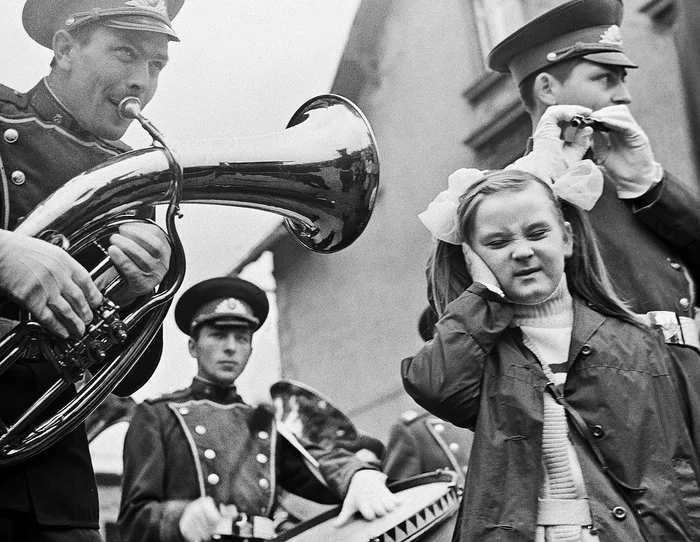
(321, 174)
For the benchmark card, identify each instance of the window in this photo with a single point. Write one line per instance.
(495, 20)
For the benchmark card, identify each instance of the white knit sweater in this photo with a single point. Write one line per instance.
(546, 329)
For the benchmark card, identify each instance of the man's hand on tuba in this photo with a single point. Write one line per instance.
(140, 253)
(48, 282)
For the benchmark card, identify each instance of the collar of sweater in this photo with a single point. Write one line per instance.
(556, 311)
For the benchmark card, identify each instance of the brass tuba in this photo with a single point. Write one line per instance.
(321, 174)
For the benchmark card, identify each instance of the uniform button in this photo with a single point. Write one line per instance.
(675, 265)
(619, 513)
(200, 429)
(262, 458)
(213, 478)
(18, 177)
(263, 483)
(454, 446)
(684, 303)
(597, 431)
(11, 135)
(586, 350)
(70, 21)
(439, 428)
(263, 510)
(209, 453)
(263, 435)
(184, 411)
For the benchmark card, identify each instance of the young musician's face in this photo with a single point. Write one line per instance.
(523, 241)
(111, 65)
(221, 352)
(594, 85)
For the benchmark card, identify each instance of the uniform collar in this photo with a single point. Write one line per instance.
(50, 109)
(203, 389)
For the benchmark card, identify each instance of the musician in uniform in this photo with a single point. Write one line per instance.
(647, 222)
(420, 442)
(570, 60)
(200, 461)
(103, 51)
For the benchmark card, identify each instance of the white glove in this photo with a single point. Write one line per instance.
(367, 495)
(551, 155)
(200, 520)
(630, 160)
(547, 136)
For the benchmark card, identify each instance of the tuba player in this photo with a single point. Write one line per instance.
(103, 51)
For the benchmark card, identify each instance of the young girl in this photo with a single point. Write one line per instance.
(578, 412)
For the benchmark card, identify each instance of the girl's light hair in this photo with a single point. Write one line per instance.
(586, 275)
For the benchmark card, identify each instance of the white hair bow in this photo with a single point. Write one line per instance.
(581, 184)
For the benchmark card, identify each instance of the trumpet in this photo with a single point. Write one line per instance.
(581, 121)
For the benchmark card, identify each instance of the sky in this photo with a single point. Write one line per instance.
(242, 69)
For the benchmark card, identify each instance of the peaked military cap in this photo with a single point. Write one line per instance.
(223, 301)
(588, 29)
(43, 18)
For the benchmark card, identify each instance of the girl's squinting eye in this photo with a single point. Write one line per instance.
(496, 243)
(539, 233)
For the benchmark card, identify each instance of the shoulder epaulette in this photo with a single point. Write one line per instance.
(410, 416)
(172, 396)
(15, 97)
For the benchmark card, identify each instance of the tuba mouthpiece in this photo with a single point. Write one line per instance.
(130, 107)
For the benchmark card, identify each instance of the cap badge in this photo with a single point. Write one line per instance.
(228, 305)
(157, 5)
(612, 36)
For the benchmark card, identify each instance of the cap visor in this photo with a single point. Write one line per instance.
(230, 321)
(612, 58)
(142, 24)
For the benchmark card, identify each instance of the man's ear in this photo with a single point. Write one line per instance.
(63, 45)
(545, 88)
(190, 345)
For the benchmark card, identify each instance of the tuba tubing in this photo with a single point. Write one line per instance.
(321, 174)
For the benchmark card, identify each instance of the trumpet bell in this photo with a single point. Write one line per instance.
(309, 415)
(352, 165)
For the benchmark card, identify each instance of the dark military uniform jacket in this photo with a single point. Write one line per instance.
(650, 245)
(205, 441)
(420, 442)
(42, 147)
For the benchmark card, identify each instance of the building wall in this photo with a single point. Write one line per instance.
(346, 320)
